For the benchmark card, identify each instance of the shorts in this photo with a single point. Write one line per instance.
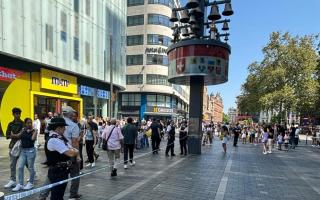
(115, 153)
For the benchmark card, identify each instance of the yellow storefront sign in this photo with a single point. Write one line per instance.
(59, 82)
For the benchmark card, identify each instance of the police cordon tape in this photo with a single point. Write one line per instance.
(46, 187)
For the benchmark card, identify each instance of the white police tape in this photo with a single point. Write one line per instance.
(46, 187)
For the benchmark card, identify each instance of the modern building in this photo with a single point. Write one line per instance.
(61, 52)
(148, 93)
(212, 107)
(232, 113)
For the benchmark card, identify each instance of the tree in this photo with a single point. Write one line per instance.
(226, 118)
(287, 79)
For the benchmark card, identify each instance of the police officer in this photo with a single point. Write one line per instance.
(183, 136)
(59, 157)
(171, 131)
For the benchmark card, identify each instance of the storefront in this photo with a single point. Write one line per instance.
(36, 93)
(95, 101)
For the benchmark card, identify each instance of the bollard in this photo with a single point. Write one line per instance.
(1, 196)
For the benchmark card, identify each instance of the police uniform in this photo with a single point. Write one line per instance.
(58, 163)
(171, 137)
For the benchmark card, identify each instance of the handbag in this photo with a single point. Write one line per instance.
(16, 149)
(105, 142)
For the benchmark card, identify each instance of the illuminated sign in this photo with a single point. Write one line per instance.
(58, 81)
(9, 74)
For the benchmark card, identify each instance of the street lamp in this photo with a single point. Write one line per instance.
(198, 57)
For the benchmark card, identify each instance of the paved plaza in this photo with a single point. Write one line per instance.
(243, 173)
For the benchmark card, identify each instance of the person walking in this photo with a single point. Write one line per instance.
(183, 137)
(91, 129)
(236, 132)
(130, 133)
(155, 136)
(265, 136)
(224, 136)
(292, 136)
(72, 134)
(60, 153)
(171, 131)
(12, 133)
(46, 134)
(112, 134)
(270, 139)
(100, 131)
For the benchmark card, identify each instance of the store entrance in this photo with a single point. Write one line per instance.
(45, 104)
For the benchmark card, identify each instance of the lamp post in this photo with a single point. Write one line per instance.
(198, 57)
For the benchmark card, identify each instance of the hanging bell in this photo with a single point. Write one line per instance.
(184, 17)
(214, 14)
(195, 27)
(174, 16)
(184, 32)
(192, 4)
(227, 10)
(197, 12)
(226, 38)
(225, 26)
(192, 20)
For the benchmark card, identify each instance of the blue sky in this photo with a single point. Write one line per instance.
(250, 27)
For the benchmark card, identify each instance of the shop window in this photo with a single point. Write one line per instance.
(152, 100)
(135, 59)
(168, 102)
(49, 37)
(158, 100)
(155, 39)
(135, 20)
(131, 100)
(134, 40)
(155, 59)
(134, 79)
(135, 2)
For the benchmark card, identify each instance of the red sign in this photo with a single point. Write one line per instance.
(9, 74)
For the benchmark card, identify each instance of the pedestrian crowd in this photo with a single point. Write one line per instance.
(65, 138)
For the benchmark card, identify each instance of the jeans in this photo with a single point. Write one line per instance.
(146, 141)
(90, 150)
(27, 155)
(74, 171)
(13, 166)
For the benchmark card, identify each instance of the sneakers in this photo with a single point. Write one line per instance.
(133, 163)
(264, 152)
(28, 186)
(93, 164)
(125, 166)
(17, 188)
(10, 184)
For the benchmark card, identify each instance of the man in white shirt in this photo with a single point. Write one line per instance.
(37, 126)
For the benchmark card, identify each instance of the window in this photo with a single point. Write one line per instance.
(135, 59)
(134, 40)
(87, 51)
(135, 2)
(135, 20)
(131, 100)
(163, 2)
(155, 39)
(76, 25)
(76, 48)
(63, 32)
(49, 37)
(76, 6)
(155, 59)
(88, 7)
(156, 79)
(152, 100)
(159, 20)
(159, 100)
(134, 79)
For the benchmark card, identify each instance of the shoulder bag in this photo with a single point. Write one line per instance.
(105, 141)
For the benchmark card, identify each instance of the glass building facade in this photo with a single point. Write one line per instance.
(78, 44)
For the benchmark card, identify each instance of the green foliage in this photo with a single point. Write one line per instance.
(226, 118)
(287, 79)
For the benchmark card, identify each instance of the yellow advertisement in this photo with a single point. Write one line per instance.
(59, 82)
